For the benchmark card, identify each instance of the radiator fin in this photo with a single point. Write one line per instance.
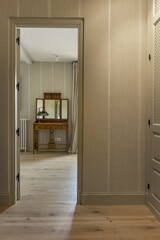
(23, 134)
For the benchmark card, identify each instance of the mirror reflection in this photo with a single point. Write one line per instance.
(64, 109)
(52, 107)
(39, 107)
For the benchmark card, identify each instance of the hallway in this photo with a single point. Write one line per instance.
(47, 209)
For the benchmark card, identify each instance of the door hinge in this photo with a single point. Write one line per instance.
(17, 132)
(149, 57)
(18, 40)
(149, 122)
(17, 177)
(17, 86)
(148, 186)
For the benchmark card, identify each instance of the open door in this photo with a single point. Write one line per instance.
(17, 114)
(154, 168)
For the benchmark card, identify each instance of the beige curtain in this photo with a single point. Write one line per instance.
(74, 110)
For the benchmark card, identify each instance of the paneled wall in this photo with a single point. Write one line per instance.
(114, 93)
(40, 77)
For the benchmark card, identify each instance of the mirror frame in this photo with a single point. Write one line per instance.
(53, 96)
(67, 108)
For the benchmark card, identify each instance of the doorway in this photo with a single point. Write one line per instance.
(48, 80)
(52, 23)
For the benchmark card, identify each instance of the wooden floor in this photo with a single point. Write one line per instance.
(47, 209)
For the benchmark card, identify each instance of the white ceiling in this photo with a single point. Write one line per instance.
(44, 44)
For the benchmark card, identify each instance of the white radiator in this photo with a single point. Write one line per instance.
(23, 134)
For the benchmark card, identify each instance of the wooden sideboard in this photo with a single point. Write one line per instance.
(51, 126)
(52, 113)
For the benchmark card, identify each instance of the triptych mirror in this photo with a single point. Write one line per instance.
(52, 107)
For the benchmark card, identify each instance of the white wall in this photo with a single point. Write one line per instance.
(36, 79)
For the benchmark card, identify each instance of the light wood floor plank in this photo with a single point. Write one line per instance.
(47, 209)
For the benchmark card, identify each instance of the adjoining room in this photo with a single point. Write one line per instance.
(48, 113)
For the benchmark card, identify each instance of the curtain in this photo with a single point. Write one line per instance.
(74, 111)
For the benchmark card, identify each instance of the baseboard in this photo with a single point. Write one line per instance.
(112, 199)
(4, 199)
(79, 194)
(146, 197)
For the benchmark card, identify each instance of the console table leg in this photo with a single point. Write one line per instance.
(37, 141)
(33, 140)
(67, 139)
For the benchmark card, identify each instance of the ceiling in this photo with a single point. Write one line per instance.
(44, 44)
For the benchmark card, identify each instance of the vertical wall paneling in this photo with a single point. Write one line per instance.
(47, 73)
(95, 95)
(64, 76)
(64, 8)
(114, 92)
(109, 94)
(41, 83)
(49, 8)
(139, 96)
(33, 8)
(125, 96)
(142, 95)
(34, 91)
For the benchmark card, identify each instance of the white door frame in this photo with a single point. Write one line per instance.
(46, 23)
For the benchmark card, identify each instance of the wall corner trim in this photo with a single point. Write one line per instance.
(4, 199)
(113, 198)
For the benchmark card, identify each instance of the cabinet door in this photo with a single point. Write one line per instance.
(154, 167)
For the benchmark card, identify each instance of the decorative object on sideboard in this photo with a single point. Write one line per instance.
(41, 112)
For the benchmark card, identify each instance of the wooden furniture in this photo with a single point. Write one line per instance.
(57, 119)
